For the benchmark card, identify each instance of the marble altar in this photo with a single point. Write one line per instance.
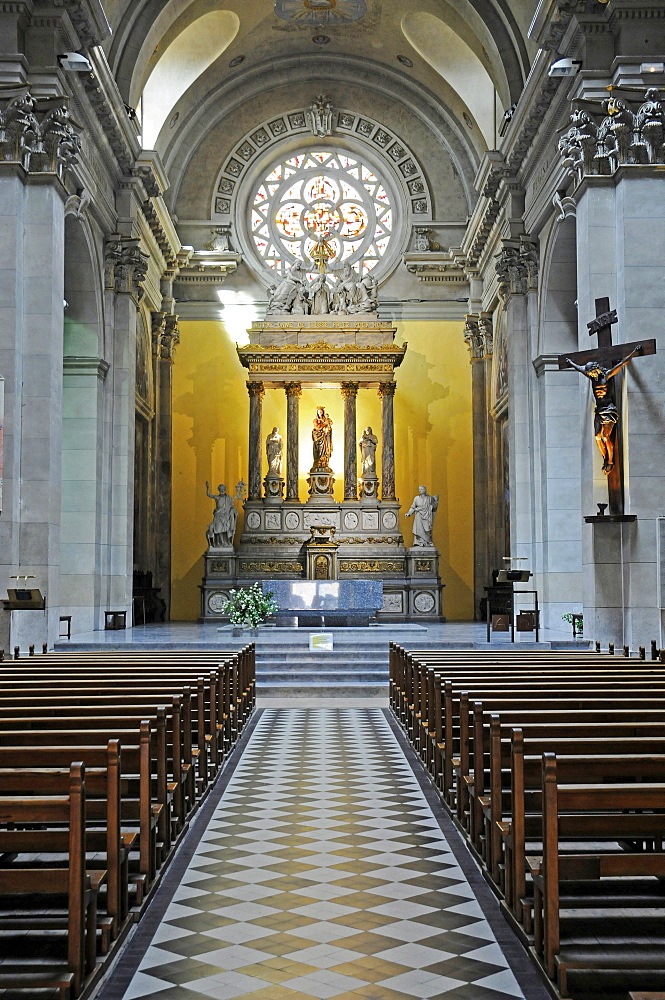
(354, 602)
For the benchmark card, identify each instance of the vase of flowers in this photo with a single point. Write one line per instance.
(577, 622)
(249, 607)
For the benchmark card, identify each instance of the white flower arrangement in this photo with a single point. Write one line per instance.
(249, 606)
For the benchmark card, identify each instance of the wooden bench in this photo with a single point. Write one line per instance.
(30, 889)
(625, 951)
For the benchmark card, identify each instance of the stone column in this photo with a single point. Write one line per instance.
(293, 392)
(387, 392)
(350, 394)
(255, 390)
(169, 339)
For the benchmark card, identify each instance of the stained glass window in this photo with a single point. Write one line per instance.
(315, 195)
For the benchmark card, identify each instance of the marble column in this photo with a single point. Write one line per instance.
(293, 392)
(255, 390)
(350, 394)
(387, 393)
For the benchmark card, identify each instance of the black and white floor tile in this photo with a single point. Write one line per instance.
(323, 873)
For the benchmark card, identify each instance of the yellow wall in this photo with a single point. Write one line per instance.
(433, 445)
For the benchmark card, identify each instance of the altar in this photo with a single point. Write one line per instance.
(289, 537)
(325, 603)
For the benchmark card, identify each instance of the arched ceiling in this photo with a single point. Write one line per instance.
(459, 50)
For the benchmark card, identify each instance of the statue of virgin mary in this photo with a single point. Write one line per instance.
(322, 439)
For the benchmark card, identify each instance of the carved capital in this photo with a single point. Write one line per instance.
(486, 327)
(387, 388)
(170, 337)
(293, 389)
(39, 136)
(158, 325)
(350, 389)
(473, 337)
(607, 134)
(517, 267)
(255, 389)
(125, 266)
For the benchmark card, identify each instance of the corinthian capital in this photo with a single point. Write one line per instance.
(473, 336)
(125, 266)
(42, 140)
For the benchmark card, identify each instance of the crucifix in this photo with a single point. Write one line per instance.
(600, 366)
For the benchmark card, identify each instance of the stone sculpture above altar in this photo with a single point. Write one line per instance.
(343, 293)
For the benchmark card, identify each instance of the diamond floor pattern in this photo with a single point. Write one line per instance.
(323, 873)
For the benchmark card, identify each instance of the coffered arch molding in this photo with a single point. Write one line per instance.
(205, 110)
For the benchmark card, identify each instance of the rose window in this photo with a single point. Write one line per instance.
(322, 196)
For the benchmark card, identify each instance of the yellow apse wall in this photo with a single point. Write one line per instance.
(433, 445)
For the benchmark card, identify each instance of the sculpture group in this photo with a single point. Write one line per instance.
(348, 295)
(221, 531)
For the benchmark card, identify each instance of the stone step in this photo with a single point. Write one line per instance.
(343, 677)
(351, 690)
(300, 659)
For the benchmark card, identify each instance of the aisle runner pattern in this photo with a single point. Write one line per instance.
(324, 874)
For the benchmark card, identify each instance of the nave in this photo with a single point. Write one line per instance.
(322, 866)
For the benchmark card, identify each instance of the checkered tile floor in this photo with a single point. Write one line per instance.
(323, 874)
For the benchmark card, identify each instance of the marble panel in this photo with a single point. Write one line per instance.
(77, 557)
(646, 496)
(333, 595)
(564, 494)
(604, 585)
(327, 518)
(643, 585)
(78, 495)
(79, 464)
(564, 556)
(79, 434)
(644, 287)
(563, 525)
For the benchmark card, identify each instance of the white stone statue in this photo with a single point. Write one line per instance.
(367, 444)
(423, 508)
(344, 291)
(364, 295)
(289, 291)
(223, 527)
(274, 452)
(319, 295)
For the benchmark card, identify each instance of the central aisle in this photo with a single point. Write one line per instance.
(323, 873)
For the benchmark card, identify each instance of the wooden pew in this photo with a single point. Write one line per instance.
(630, 953)
(21, 770)
(18, 971)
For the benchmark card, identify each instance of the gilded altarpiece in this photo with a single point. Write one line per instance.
(347, 355)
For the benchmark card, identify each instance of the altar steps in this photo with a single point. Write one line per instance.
(357, 667)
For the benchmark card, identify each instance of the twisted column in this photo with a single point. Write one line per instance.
(350, 394)
(255, 390)
(387, 392)
(293, 392)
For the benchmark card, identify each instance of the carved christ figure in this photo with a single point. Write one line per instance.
(423, 508)
(222, 529)
(322, 439)
(274, 452)
(606, 416)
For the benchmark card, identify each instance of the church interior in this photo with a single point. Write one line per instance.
(332, 523)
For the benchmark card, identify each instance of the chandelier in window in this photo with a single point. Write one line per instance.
(318, 196)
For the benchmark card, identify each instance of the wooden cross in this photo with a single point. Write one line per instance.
(600, 366)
